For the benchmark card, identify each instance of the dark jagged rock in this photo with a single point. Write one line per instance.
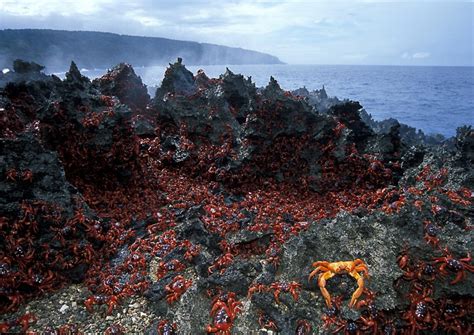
(239, 93)
(197, 115)
(272, 90)
(122, 82)
(24, 71)
(75, 76)
(348, 114)
(388, 146)
(48, 179)
(222, 187)
(101, 123)
(236, 278)
(178, 80)
(21, 103)
(465, 143)
(143, 127)
(410, 135)
(318, 98)
(202, 80)
(20, 66)
(251, 123)
(33, 187)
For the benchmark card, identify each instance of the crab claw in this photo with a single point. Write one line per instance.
(312, 274)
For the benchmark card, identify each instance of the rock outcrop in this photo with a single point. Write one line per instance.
(213, 200)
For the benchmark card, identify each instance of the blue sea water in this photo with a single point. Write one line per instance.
(433, 99)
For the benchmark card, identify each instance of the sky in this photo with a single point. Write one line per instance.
(416, 32)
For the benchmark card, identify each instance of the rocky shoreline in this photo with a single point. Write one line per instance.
(202, 210)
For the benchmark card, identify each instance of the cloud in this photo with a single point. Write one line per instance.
(143, 18)
(56, 7)
(297, 31)
(416, 55)
(421, 55)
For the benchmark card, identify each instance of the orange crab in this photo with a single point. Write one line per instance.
(329, 270)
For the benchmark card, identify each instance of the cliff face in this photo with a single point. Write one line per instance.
(55, 49)
(207, 206)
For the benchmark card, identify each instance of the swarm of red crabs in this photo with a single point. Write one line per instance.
(131, 193)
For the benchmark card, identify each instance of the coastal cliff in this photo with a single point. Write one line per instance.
(90, 49)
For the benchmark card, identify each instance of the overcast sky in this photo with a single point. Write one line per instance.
(416, 32)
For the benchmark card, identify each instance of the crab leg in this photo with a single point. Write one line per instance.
(360, 283)
(360, 266)
(322, 286)
(323, 263)
(460, 276)
(315, 271)
(295, 294)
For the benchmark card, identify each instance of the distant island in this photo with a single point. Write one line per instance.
(56, 48)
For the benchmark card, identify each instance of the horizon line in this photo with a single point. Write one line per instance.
(270, 53)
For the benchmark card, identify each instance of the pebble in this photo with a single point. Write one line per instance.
(63, 309)
(74, 304)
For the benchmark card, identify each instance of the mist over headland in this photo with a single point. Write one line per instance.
(56, 48)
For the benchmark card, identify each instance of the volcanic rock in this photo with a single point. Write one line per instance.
(20, 66)
(230, 187)
(122, 82)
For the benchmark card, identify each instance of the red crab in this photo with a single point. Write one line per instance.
(368, 299)
(431, 233)
(224, 311)
(192, 251)
(265, 321)
(369, 324)
(176, 288)
(110, 301)
(403, 260)
(370, 316)
(43, 281)
(26, 320)
(11, 175)
(348, 327)
(419, 315)
(273, 255)
(27, 176)
(291, 287)
(166, 328)
(331, 314)
(222, 263)
(454, 265)
(303, 327)
(259, 288)
(452, 314)
(173, 265)
(23, 321)
(115, 329)
(424, 272)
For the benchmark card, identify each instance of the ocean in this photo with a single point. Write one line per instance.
(436, 100)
